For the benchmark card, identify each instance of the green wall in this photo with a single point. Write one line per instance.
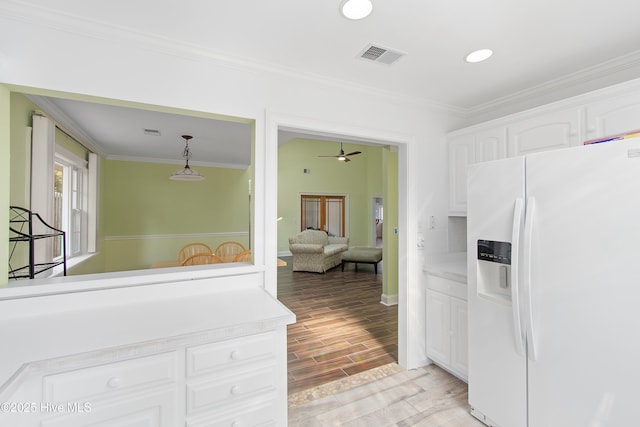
(360, 179)
(5, 179)
(68, 143)
(389, 237)
(374, 173)
(149, 218)
(20, 116)
(21, 110)
(143, 216)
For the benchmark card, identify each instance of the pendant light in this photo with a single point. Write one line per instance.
(186, 174)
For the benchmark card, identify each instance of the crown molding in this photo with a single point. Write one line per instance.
(51, 110)
(180, 162)
(82, 26)
(582, 77)
(70, 23)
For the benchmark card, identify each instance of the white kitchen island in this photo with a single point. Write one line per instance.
(210, 350)
(446, 311)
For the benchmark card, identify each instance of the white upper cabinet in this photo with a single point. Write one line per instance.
(565, 124)
(550, 131)
(485, 145)
(613, 116)
(490, 144)
(461, 154)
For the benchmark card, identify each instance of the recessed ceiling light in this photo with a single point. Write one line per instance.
(356, 9)
(479, 55)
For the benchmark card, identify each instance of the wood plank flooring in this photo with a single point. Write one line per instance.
(425, 397)
(341, 329)
(342, 354)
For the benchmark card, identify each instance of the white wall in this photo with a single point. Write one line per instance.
(89, 61)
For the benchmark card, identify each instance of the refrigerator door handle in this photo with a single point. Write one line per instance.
(526, 275)
(515, 296)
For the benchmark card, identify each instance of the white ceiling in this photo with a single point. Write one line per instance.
(543, 49)
(119, 133)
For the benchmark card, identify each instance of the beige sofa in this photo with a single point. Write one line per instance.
(315, 251)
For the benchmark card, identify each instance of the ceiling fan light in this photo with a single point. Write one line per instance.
(356, 9)
(342, 158)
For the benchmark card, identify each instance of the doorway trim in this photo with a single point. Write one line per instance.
(408, 285)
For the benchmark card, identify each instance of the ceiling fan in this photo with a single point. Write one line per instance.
(344, 157)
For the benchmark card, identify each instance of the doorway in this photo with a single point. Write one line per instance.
(342, 328)
(377, 213)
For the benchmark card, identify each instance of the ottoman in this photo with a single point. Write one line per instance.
(363, 255)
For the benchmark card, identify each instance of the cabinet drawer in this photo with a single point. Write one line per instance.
(226, 354)
(92, 383)
(153, 408)
(234, 386)
(447, 286)
(251, 414)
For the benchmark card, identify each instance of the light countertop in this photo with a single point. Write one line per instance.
(449, 265)
(134, 320)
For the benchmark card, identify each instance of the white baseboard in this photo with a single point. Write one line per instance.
(389, 299)
(284, 253)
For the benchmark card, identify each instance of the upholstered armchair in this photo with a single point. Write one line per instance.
(315, 251)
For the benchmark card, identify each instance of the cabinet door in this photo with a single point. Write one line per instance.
(490, 144)
(560, 129)
(459, 336)
(150, 409)
(613, 116)
(461, 154)
(438, 327)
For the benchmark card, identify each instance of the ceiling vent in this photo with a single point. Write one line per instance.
(381, 54)
(152, 132)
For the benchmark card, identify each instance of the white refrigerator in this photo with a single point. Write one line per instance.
(554, 288)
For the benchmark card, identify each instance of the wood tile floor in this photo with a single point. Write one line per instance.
(425, 397)
(342, 354)
(341, 327)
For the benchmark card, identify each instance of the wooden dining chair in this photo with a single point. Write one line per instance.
(228, 250)
(193, 249)
(244, 256)
(202, 258)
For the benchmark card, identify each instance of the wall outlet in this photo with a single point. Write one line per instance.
(432, 222)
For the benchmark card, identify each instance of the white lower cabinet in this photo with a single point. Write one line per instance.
(231, 382)
(446, 324)
(155, 407)
(249, 413)
(135, 392)
(459, 337)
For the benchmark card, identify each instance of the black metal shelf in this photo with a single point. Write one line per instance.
(21, 231)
